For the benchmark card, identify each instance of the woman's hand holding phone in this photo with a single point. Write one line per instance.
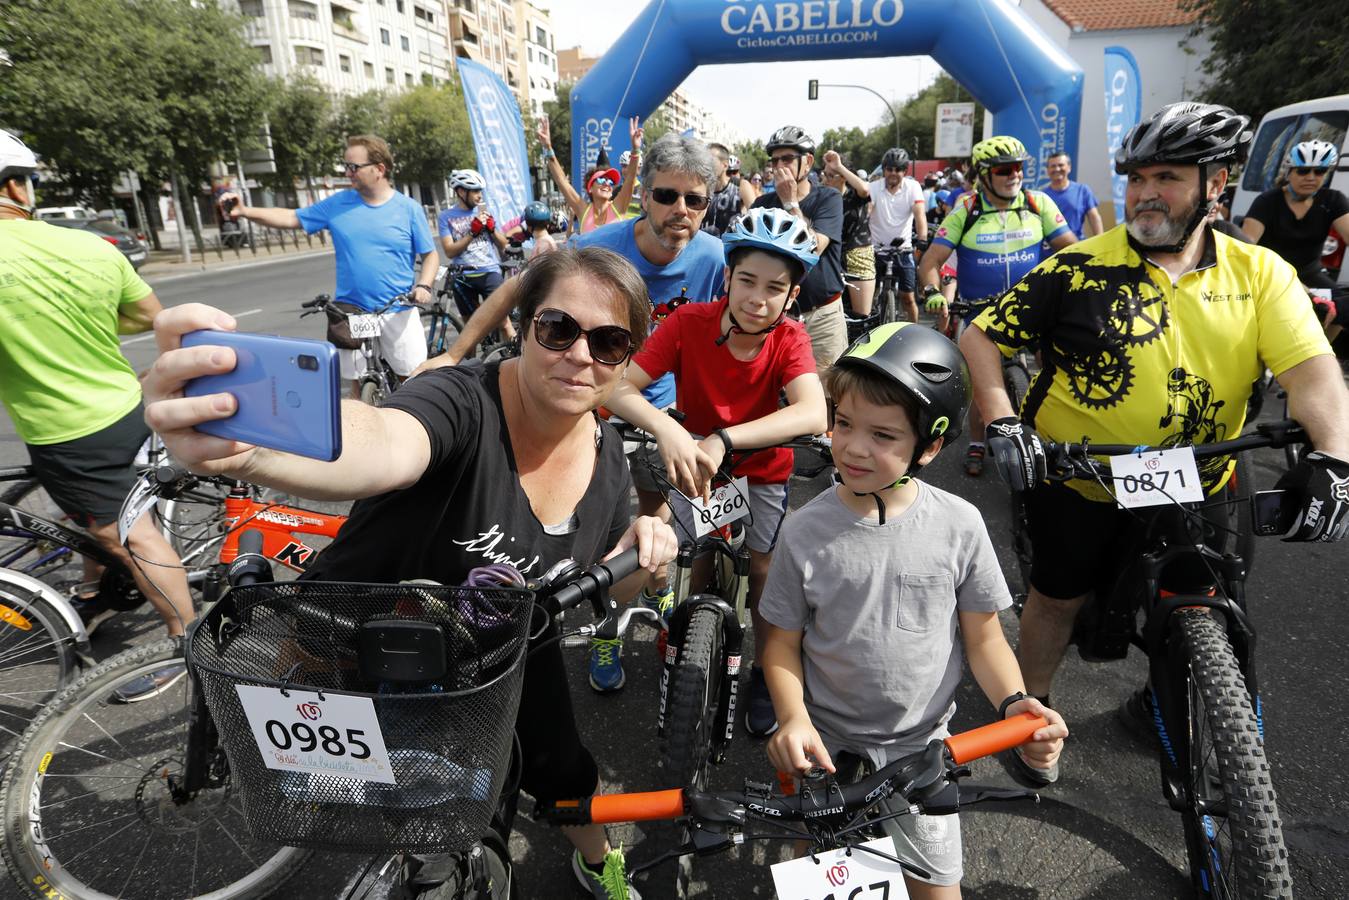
(174, 415)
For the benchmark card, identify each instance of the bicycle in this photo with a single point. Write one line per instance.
(1206, 706)
(453, 307)
(378, 380)
(886, 303)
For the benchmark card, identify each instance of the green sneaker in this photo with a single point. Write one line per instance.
(610, 883)
(662, 603)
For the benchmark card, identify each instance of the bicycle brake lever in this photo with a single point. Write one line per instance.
(608, 630)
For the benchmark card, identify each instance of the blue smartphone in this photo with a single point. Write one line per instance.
(289, 392)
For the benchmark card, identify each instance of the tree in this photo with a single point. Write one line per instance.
(359, 114)
(753, 157)
(427, 128)
(1267, 53)
(558, 111)
(304, 143)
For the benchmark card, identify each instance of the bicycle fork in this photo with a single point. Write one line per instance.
(732, 642)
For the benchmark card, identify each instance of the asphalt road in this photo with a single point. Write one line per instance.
(1102, 832)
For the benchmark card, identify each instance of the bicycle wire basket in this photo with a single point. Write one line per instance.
(449, 741)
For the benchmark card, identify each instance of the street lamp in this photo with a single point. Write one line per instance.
(813, 93)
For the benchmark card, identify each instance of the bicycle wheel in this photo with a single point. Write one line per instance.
(38, 557)
(37, 658)
(1233, 833)
(1017, 381)
(87, 805)
(372, 393)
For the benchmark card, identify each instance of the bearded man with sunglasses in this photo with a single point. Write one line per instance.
(383, 248)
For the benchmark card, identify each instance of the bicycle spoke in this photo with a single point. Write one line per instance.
(131, 874)
(53, 838)
(229, 834)
(103, 756)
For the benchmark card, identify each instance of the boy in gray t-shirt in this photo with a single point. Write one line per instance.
(874, 581)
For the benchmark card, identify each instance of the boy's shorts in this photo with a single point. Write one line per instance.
(767, 508)
(928, 842)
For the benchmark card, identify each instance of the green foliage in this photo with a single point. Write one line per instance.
(305, 138)
(753, 157)
(427, 128)
(558, 111)
(917, 127)
(359, 114)
(1268, 53)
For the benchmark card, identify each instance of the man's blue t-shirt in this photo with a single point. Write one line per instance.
(481, 253)
(376, 246)
(697, 274)
(1073, 201)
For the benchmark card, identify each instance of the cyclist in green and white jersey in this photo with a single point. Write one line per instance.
(996, 232)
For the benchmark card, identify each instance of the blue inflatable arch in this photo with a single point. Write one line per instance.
(1030, 85)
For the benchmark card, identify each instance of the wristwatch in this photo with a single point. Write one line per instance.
(546, 153)
(792, 206)
(725, 438)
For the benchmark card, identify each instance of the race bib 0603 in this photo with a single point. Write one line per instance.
(842, 875)
(364, 326)
(328, 734)
(1156, 478)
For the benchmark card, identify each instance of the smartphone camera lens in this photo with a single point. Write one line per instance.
(309, 363)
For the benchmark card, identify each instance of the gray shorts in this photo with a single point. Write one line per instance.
(929, 842)
(767, 508)
(640, 462)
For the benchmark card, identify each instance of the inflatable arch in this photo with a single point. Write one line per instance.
(1029, 84)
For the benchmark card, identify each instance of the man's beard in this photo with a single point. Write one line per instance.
(1169, 232)
(666, 239)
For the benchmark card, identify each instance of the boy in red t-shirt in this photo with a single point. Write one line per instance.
(731, 361)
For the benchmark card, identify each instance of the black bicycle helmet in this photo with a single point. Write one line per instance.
(1186, 133)
(895, 158)
(793, 137)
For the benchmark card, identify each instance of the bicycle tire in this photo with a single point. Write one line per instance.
(502, 884)
(1226, 755)
(1016, 380)
(37, 658)
(64, 761)
(692, 701)
(371, 393)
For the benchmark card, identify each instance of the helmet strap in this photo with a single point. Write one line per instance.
(1200, 214)
(898, 483)
(987, 181)
(25, 209)
(735, 326)
(1295, 195)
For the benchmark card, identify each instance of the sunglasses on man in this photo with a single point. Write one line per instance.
(1006, 171)
(557, 331)
(1308, 170)
(785, 159)
(669, 197)
(353, 168)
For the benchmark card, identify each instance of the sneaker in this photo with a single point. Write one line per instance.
(662, 603)
(1137, 716)
(1026, 775)
(93, 612)
(611, 882)
(151, 685)
(606, 665)
(760, 719)
(974, 460)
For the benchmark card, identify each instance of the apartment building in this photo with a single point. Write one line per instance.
(352, 45)
(534, 28)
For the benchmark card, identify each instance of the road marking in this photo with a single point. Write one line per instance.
(146, 337)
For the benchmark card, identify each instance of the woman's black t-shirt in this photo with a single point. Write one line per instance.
(469, 509)
(856, 221)
(1299, 241)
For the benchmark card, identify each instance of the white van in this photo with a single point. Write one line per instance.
(1326, 119)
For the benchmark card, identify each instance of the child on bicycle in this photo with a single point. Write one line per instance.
(731, 360)
(874, 582)
(537, 219)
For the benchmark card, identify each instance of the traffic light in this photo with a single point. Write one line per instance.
(813, 89)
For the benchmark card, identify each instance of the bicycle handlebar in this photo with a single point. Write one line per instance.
(594, 584)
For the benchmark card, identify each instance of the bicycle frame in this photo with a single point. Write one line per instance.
(279, 525)
(19, 523)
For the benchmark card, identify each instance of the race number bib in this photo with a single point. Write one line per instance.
(842, 875)
(141, 498)
(1156, 478)
(328, 734)
(729, 502)
(364, 326)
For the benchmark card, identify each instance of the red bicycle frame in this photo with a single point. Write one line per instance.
(280, 526)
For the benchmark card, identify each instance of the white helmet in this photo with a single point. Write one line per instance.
(732, 163)
(468, 179)
(1313, 155)
(16, 160)
(624, 158)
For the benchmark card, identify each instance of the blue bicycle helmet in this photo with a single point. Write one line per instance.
(538, 213)
(774, 231)
(943, 197)
(1313, 155)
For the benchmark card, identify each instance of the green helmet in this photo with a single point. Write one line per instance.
(927, 366)
(998, 150)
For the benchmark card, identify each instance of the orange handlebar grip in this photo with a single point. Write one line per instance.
(608, 809)
(990, 739)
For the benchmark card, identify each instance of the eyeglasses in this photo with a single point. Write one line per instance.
(785, 159)
(1006, 171)
(669, 197)
(608, 344)
(602, 182)
(896, 168)
(1308, 170)
(353, 168)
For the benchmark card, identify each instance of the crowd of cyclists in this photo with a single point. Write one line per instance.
(687, 286)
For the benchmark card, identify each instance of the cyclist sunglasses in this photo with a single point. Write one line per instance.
(352, 168)
(601, 182)
(1006, 171)
(1308, 170)
(669, 197)
(555, 330)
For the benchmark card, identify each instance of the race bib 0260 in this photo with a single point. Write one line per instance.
(728, 503)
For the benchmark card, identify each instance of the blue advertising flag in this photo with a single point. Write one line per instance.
(1123, 104)
(499, 141)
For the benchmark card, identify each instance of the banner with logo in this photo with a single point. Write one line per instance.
(1030, 84)
(499, 141)
(955, 130)
(1123, 106)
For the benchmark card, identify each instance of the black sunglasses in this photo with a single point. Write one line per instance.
(785, 159)
(669, 197)
(1308, 170)
(555, 330)
(353, 168)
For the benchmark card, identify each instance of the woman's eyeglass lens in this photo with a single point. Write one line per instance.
(555, 330)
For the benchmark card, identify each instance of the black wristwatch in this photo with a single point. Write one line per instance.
(725, 439)
(1002, 707)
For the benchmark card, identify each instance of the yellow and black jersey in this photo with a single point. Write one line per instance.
(1130, 358)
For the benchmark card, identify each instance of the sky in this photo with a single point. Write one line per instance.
(755, 99)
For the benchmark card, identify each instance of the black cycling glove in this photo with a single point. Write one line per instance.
(1018, 453)
(1320, 487)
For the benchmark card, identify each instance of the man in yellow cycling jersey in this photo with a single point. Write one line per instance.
(1152, 334)
(997, 232)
